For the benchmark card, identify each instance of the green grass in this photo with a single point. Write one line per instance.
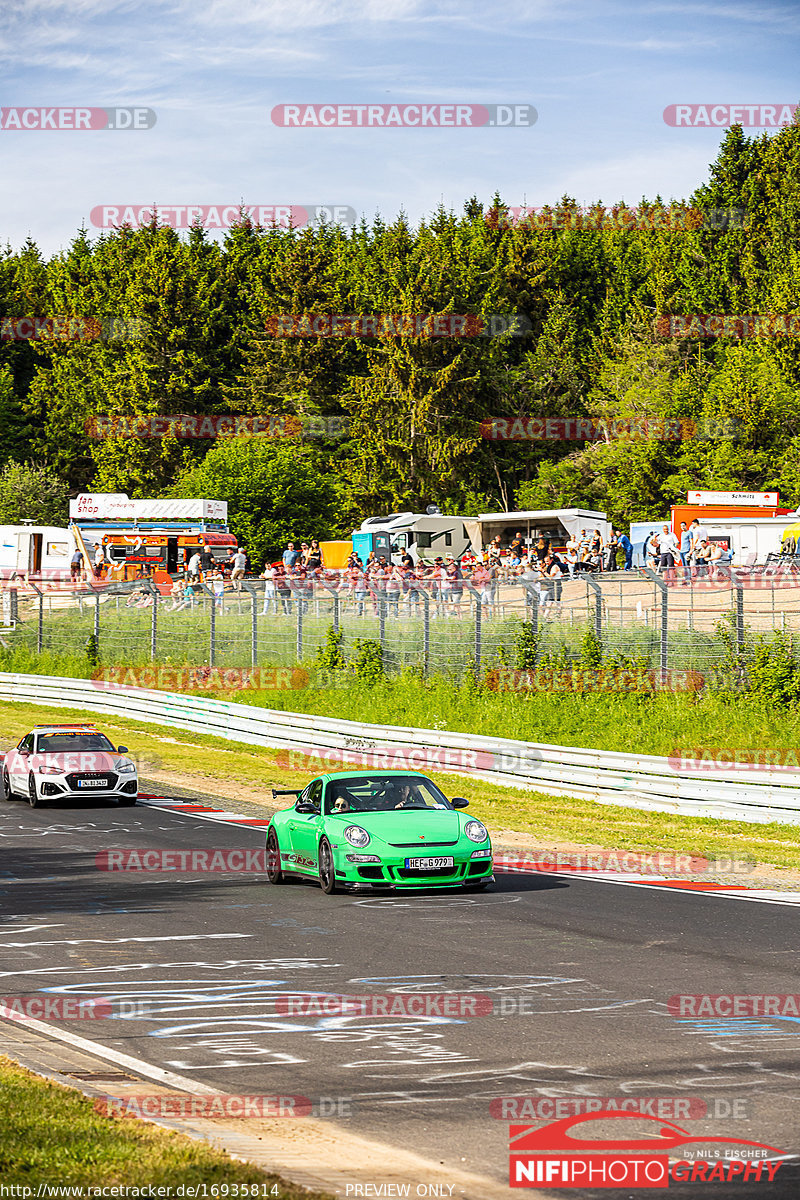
(224, 765)
(620, 721)
(51, 1135)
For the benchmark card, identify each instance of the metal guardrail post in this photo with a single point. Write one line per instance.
(336, 604)
(248, 587)
(299, 630)
(212, 630)
(598, 607)
(97, 623)
(738, 587)
(478, 631)
(426, 632)
(154, 627)
(659, 582)
(40, 623)
(533, 605)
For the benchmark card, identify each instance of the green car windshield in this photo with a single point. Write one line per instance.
(383, 793)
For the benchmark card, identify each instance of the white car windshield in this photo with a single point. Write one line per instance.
(69, 743)
(383, 793)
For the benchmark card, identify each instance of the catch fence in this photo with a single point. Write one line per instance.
(667, 624)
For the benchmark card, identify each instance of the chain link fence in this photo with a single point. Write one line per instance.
(669, 623)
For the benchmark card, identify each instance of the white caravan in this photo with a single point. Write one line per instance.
(43, 551)
(425, 536)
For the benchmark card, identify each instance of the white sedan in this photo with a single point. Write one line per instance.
(62, 761)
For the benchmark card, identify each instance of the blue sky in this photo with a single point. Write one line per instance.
(600, 75)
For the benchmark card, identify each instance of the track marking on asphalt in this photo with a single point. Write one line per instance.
(726, 891)
(148, 1070)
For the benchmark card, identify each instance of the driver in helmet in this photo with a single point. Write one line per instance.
(407, 795)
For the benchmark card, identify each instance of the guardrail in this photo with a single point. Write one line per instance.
(641, 781)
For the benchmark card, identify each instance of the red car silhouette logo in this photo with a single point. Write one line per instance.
(557, 1136)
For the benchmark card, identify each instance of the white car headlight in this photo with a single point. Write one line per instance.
(476, 831)
(50, 770)
(124, 767)
(356, 836)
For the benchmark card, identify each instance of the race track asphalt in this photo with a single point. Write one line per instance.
(579, 972)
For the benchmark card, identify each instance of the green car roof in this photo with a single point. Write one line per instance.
(362, 773)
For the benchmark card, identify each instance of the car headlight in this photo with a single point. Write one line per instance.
(125, 768)
(362, 858)
(476, 831)
(356, 836)
(50, 770)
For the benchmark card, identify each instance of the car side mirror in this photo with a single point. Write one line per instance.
(459, 802)
(122, 749)
(305, 808)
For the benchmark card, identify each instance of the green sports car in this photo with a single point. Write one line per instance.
(387, 829)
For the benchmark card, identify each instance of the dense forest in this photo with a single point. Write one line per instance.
(182, 326)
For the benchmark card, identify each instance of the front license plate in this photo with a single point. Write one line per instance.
(428, 864)
(92, 783)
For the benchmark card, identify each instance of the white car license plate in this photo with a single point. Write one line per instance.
(428, 864)
(92, 783)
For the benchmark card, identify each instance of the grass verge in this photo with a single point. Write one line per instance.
(213, 762)
(51, 1135)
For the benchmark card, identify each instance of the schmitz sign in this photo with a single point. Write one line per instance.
(760, 499)
(118, 506)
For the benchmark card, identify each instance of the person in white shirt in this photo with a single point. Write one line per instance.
(193, 566)
(668, 544)
(239, 564)
(699, 535)
(99, 561)
(270, 597)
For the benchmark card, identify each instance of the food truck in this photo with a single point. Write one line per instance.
(152, 537)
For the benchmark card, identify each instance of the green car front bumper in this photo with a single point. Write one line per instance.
(391, 870)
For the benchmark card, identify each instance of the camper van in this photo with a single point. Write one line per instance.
(425, 536)
(43, 551)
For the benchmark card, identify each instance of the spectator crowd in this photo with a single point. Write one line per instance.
(444, 582)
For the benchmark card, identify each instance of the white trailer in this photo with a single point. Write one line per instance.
(558, 525)
(750, 538)
(43, 551)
